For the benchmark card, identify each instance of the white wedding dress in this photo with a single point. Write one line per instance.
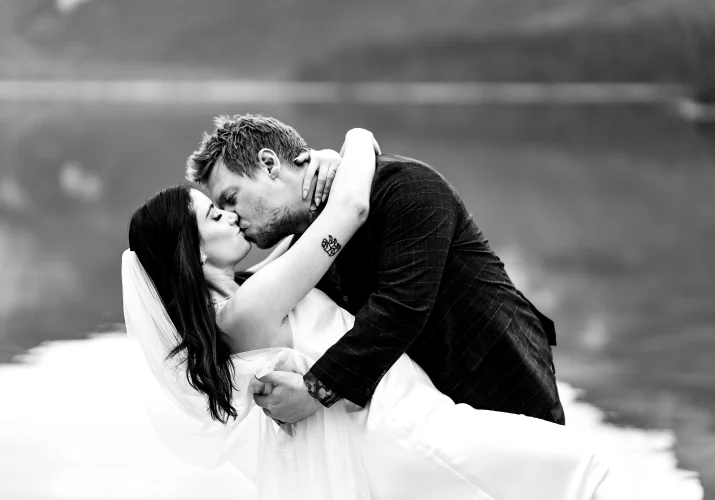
(410, 441)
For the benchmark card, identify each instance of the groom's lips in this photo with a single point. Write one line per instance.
(246, 236)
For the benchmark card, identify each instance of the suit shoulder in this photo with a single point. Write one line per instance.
(396, 163)
(406, 177)
(401, 169)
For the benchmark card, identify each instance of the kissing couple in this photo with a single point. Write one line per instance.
(379, 352)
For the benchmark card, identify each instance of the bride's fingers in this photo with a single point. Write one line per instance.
(329, 183)
(261, 388)
(255, 385)
(302, 158)
(265, 402)
(326, 172)
(259, 400)
(309, 171)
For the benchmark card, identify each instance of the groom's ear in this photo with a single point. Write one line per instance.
(268, 159)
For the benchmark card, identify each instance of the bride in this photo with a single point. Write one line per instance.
(213, 344)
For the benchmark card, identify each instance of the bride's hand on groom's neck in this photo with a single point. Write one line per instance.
(322, 167)
(319, 174)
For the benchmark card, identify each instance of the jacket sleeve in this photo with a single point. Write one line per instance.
(416, 216)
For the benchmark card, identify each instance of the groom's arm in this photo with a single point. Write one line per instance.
(416, 213)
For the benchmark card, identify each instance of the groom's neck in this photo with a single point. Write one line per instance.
(307, 208)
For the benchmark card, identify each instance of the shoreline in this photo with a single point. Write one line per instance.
(157, 91)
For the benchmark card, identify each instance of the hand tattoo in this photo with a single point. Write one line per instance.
(319, 391)
(331, 245)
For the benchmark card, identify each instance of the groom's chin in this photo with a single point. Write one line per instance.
(264, 244)
(267, 238)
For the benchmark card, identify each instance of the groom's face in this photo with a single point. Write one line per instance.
(263, 205)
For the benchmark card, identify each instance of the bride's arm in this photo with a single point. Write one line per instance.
(265, 299)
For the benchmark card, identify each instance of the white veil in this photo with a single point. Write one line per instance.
(316, 459)
(178, 412)
(149, 324)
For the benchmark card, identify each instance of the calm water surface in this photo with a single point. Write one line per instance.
(606, 215)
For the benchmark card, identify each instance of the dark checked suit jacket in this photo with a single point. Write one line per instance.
(420, 278)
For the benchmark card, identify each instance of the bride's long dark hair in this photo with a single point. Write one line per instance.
(165, 236)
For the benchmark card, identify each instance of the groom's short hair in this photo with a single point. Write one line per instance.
(237, 140)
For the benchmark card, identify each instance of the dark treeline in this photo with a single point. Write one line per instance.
(389, 40)
(667, 49)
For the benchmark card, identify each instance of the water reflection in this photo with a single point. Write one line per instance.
(12, 196)
(84, 434)
(32, 278)
(80, 184)
(607, 210)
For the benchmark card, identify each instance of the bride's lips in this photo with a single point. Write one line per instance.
(242, 233)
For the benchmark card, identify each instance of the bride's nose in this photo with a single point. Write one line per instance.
(233, 220)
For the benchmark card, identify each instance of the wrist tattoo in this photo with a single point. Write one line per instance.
(331, 245)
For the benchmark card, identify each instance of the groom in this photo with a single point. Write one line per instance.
(419, 277)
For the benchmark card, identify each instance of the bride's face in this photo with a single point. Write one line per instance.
(222, 241)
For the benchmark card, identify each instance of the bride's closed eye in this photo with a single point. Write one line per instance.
(218, 217)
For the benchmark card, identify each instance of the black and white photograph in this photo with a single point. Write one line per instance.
(370, 250)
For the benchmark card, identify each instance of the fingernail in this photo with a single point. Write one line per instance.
(325, 197)
(317, 201)
(305, 193)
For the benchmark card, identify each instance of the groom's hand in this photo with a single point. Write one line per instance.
(289, 400)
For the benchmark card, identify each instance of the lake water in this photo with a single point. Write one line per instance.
(605, 216)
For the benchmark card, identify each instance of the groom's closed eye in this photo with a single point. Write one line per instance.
(226, 199)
